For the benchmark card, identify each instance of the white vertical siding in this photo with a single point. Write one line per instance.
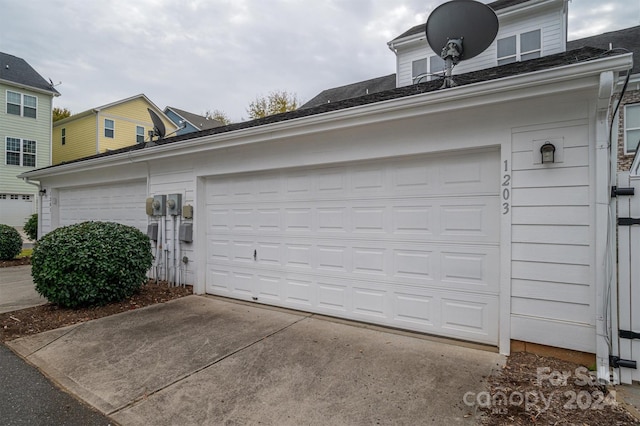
(552, 280)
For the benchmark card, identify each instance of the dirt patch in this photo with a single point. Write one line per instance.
(535, 390)
(15, 262)
(49, 316)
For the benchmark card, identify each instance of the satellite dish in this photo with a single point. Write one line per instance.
(158, 126)
(460, 30)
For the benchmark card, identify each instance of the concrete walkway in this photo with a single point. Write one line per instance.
(17, 290)
(202, 360)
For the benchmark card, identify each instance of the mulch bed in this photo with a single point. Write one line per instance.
(15, 262)
(46, 317)
(535, 390)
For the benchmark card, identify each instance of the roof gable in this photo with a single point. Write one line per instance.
(353, 90)
(18, 71)
(198, 121)
(627, 38)
(496, 6)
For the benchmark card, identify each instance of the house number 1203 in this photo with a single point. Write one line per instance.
(506, 191)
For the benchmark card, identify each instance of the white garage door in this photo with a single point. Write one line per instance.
(15, 209)
(410, 243)
(122, 202)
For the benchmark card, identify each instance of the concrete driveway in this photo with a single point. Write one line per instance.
(202, 360)
(17, 290)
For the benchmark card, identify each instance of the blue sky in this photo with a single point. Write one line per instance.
(201, 55)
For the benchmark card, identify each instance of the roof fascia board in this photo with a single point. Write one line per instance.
(568, 78)
(27, 87)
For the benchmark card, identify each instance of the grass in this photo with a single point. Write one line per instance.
(25, 253)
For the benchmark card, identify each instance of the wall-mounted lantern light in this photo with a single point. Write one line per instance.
(42, 192)
(548, 151)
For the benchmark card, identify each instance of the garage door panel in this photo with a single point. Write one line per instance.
(405, 243)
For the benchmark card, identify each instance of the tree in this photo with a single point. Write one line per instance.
(275, 103)
(218, 115)
(60, 113)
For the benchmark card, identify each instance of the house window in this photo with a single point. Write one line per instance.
(519, 47)
(109, 128)
(19, 104)
(506, 50)
(20, 152)
(427, 68)
(64, 136)
(14, 103)
(530, 45)
(631, 128)
(418, 70)
(139, 134)
(30, 106)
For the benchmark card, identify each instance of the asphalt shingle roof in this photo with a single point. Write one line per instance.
(353, 90)
(584, 54)
(18, 71)
(199, 121)
(628, 38)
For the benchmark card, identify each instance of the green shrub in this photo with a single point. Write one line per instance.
(10, 242)
(31, 227)
(90, 263)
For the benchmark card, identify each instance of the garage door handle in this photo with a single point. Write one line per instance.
(255, 255)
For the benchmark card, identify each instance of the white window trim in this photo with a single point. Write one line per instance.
(625, 128)
(21, 105)
(519, 53)
(21, 152)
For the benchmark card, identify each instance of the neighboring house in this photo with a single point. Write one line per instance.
(25, 135)
(418, 207)
(629, 112)
(188, 122)
(105, 128)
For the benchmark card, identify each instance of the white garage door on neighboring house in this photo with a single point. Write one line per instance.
(122, 202)
(410, 243)
(15, 209)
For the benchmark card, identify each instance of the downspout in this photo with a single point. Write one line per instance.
(39, 201)
(604, 227)
(97, 111)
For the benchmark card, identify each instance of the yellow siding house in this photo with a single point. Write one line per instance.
(105, 128)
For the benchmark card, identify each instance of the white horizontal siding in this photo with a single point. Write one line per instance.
(552, 238)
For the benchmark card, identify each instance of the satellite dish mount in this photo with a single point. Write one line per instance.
(460, 30)
(158, 126)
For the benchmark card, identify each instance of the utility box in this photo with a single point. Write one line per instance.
(152, 231)
(159, 205)
(149, 206)
(187, 212)
(186, 232)
(174, 204)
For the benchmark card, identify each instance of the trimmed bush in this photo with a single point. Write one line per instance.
(90, 263)
(10, 242)
(31, 227)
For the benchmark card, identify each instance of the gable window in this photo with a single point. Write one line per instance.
(426, 69)
(631, 128)
(530, 45)
(139, 134)
(20, 152)
(19, 104)
(64, 136)
(519, 47)
(418, 70)
(109, 128)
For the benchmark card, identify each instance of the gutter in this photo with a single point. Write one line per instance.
(503, 89)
